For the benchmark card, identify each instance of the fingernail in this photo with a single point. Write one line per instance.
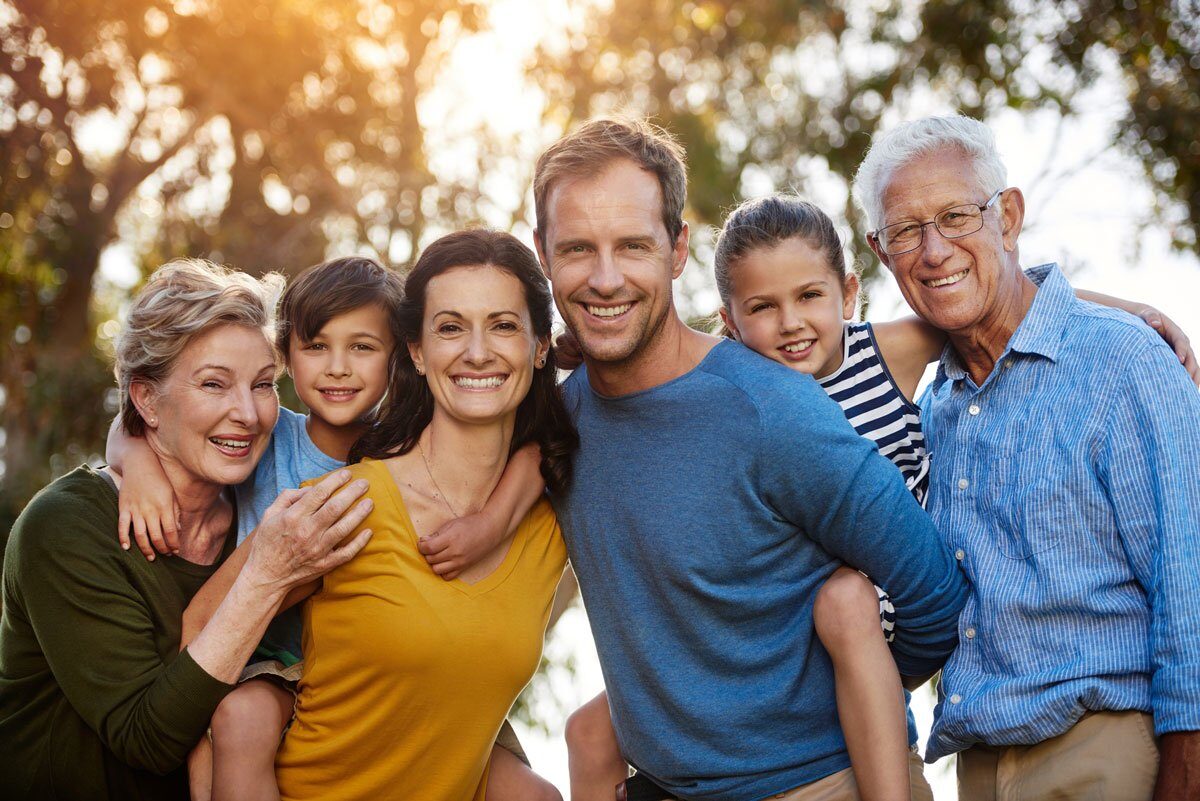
(150, 557)
(125, 546)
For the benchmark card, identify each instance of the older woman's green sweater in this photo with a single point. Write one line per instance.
(96, 700)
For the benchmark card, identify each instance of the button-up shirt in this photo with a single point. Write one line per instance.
(1068, 487)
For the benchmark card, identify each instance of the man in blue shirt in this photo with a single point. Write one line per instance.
(1066, 478)
(714, 493)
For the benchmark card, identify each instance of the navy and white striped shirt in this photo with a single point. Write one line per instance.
(1068, 486)
(864, 388)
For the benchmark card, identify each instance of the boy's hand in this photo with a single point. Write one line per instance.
(147, 506)
(460, 543)
(1173, 335)
(567, 354)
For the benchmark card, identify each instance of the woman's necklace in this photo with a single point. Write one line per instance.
(441, 492)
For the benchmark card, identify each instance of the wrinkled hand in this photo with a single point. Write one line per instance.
(298, 538)
(1173, 335)
(567, 354)
(459, 544)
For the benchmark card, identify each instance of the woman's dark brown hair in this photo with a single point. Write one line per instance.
(541, 417)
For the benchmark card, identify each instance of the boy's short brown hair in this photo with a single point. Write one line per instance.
(593, 145)
(335, 287)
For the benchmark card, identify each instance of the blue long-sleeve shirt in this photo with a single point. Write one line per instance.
(1069, 486)
(704, 515)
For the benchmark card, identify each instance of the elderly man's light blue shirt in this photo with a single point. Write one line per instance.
(1068, 486)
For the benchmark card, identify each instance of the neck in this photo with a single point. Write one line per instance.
(333, 441)
(466, 461)
(981, 345)
(204, 513)
(674, 350)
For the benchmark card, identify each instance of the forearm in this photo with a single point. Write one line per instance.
(1179, 767)
(1133, 307)
(519, 489)
(227, 640)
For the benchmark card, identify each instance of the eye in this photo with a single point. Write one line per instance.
(211, 384)
(362, 346)
(635, 246)
(265, 386)
(315, 346)
(757, 307)
(506, 326)
(449, 328)
(810, 295)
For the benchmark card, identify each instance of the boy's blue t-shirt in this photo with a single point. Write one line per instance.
(291, 458)
(703, 516)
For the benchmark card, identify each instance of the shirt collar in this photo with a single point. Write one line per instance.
(1040, 332)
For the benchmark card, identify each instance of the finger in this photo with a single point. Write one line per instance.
(323, 490)
(170, 534)
(143, 541)
(123, 523)
(432, 545)
(347, 523)
(156, 537)
(333, 508)
(343, 554)
(1193, 368)
(451, 575)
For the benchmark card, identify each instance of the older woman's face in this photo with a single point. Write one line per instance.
(215, 411)
(953, 284)
(477, 347)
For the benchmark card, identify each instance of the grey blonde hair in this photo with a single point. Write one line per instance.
(921, 137)
(181, 299)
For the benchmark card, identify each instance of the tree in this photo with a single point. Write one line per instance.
(257, 133)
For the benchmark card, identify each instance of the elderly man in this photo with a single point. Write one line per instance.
(714, 492)
(1066, 479)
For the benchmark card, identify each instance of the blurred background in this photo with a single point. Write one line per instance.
(272, 135)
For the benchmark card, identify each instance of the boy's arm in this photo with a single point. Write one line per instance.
(1171, 333)
(462, 542)
(146, 501)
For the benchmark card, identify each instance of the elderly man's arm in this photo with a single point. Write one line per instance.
(836, 487)
(1150, 462)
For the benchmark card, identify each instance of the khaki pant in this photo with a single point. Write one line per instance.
(842, 787)
(1106, 756)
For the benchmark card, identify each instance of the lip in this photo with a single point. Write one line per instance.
(796, 356)
(607, 318)
(233, 452)
(489, 381)
(338, 394)
(959, 277)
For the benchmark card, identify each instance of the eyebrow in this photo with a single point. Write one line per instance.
(220, 368)
(491, 316)
(800, 288)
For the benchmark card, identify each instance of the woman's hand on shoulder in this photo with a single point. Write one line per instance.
(1173, 335)
(301, 534)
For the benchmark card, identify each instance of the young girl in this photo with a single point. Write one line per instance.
(336, 328)
(786, 293)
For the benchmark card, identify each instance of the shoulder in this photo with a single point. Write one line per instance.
(1110, 336)
(72, 518)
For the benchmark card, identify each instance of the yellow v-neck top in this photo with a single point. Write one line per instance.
(407, 677)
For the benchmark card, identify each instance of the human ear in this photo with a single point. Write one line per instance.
(1012, 216)
(539, 246)
(539, 353)
(849, 296)
(418, 360)
(145, 400)
(878, 251)
(679, 252)
(727, 318)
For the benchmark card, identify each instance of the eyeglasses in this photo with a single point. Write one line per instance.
(951, 223)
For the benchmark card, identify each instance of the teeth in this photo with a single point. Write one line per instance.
(609, 311)
(229, 443)
(338, 392)
(950, 279)
(480, 383)
(799, 346)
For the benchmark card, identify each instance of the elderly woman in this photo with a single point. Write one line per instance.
(96, 699)
(408, 677)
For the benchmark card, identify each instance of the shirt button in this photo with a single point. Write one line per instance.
(963, 483)
(973, 409)
(960, 554)
(956, 698)
(970, 632)
(1008, 363)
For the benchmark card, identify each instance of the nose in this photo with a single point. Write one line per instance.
(243, 410)
(605, 279)
(478, 352)
(936, 248)
(337, 366)
(790, 318)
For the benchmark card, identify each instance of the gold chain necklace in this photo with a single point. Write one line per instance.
(441, 492)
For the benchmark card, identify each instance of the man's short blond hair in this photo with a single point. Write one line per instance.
(595, 144)
(181, 299)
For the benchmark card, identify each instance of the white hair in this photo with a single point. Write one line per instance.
(917, 138)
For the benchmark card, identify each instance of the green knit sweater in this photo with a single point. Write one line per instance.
(96, 700)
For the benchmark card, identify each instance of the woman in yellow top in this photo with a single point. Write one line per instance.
(407, 676)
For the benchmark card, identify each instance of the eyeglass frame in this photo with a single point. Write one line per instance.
(873, 236)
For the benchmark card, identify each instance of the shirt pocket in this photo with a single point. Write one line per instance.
(1032, 510)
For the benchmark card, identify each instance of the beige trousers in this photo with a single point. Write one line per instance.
(1106, 756)
(841, 786)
